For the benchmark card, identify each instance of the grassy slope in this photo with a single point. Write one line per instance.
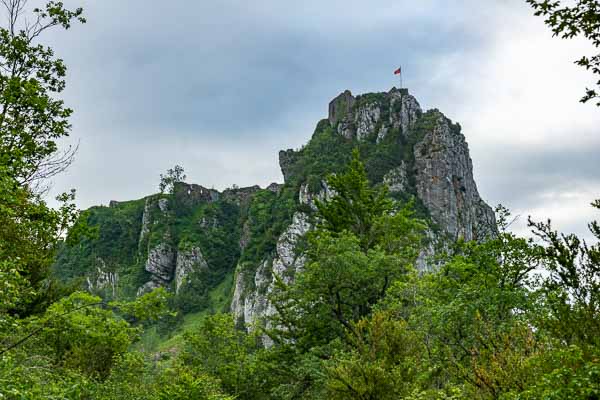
(220, 297)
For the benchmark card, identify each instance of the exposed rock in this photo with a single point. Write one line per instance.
(366, 120)
(250, 304)
(340, 107)
(245, 236)
(397, 178)
(161, 262)
(432, 163)
(440, 174)
(288, 262)
(146, 221)
(404, 110)
(445, 183)
(113, 203)
(305, 196)
(347, 128)
(163, 205)
(188, 261)
(190, 195)
(103, 279)
(382, 133)
(287, 159)
(240, 196)
(275, 187)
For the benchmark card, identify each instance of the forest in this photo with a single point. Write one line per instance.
(343, 282)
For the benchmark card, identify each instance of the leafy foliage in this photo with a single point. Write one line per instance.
(172, 176)
(573, 19)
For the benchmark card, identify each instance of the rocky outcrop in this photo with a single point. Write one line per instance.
(189, 195)
(167, 265)
(245, 236)
(340, 107)
(435, 167)
(188, 261)
(397, 178)
(148, 287)
(416, 153)
(287, 159)
(375, 115)
(161, 262)
(404, 111)
(103, 279)
(240, 195)
(366, 119)
(274, 187)
(250, 298)
(309, 198)
(146, 221)
(445, 184)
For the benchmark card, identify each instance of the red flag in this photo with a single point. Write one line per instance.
(398, 71)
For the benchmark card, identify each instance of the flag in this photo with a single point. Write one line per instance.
(398, 71)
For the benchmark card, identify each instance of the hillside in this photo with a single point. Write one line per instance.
(191, 240)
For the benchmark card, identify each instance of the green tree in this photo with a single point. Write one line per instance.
(574, 19)
(363, 242)
(229, 354)
(183, 383)
(572, 288)
(172, 176)
(381, 362)
(355, 206)
(32, 118)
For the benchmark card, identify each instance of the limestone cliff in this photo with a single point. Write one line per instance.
(430, 161)
(194, 239)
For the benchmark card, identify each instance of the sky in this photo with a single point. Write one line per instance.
(221, 86)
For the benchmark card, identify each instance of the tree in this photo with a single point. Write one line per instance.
(168, 180)
(580, 19)
(354, 206)
(381, 362)
(32, 118)
(362, 243)
(222, 351)
(572, 288)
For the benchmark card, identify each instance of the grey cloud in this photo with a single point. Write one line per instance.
(220, 86)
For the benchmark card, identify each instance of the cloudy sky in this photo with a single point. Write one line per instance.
(220, 86)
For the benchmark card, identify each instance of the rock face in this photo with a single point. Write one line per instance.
(253, 233)
(161, 261)
(307, 197)
(169, 262)
(161, 265)
(436, 168)
(445, 183)
(397, 178)
(405, 110)
(287, 158)
(340, 107)
(146, 220)
(373, 115)
(250, 298)
(188, 261)
(103, 279)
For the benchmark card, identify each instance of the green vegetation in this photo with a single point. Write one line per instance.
(568, 20)
(360, 323)
(508, 318)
